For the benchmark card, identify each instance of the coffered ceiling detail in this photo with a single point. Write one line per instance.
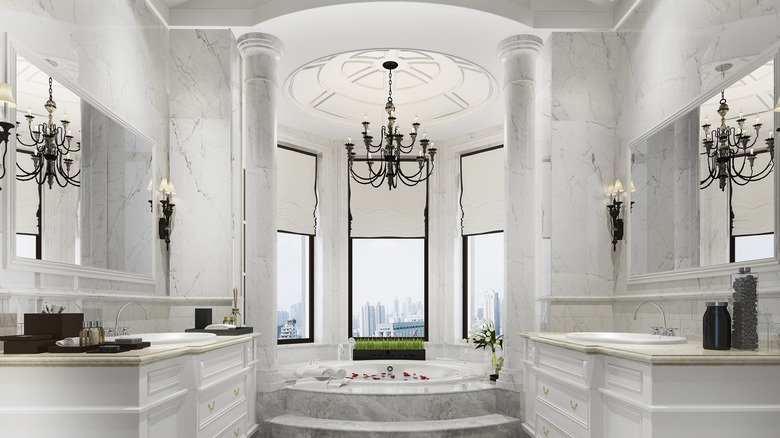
(435, 87)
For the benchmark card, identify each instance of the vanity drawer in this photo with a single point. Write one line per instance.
(220, 426)
(236, 430)
(213, 401)
(214, 365)
(546, 429)
(571, 402)
(571, 364)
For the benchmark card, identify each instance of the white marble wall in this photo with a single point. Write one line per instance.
(201, 257)
(582, 141)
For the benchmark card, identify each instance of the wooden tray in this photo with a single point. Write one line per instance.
(229, 332)
(94, 348)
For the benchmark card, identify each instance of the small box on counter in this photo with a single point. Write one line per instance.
(58, 325)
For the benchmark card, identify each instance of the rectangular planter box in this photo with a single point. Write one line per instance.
(388, 354)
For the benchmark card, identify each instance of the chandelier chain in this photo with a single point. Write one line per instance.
(390, 86)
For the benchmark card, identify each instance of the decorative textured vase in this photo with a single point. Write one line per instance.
(744, 335)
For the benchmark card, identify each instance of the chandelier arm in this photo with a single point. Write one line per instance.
(373, 176)
(418, 176)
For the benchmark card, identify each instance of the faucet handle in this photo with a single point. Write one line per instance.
(656, 331)
(670, 331)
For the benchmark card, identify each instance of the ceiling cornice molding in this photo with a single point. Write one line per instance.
(554, 15)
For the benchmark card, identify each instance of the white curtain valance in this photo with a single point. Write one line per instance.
(482, 192)
(753, 204)
(296, 202)
(379, 212)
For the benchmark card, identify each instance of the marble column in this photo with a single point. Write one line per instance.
(260, 54)
(523, 226)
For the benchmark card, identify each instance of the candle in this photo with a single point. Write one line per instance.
(420, 154)
(349, 139)
(29, 111)
(771, 134)
(65, 116)
(368, 132)
(757, 120)
(751, 151)
(415, 119)
(369, 156)
(69, 132)
(706, 121)
(740, 115)
(365, 118)
(425, 136)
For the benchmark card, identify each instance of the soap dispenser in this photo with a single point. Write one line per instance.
(716, 326)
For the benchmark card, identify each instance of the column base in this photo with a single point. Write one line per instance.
(510, 379)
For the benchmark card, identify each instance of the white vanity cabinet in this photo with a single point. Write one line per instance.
(204, 391)
(578, 390)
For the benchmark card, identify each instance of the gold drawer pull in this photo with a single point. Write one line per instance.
(573, 405)
(544, 429)
(236, 391)
(236, 432)
(211, 405)
(545, 390)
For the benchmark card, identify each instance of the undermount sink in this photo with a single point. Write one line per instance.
(625, 338)
(174, 338)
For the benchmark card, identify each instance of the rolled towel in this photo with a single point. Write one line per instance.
(321, 373)
(68, 342)
(335, 374)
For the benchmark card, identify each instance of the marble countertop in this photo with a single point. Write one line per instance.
(689, 353)
(143, 356)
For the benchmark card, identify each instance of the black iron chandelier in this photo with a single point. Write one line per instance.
(731, 153)
(391, 152)
(52, 146)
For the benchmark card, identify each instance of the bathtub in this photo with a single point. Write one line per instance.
(401, 372)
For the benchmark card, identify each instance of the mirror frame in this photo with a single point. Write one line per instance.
(758, 265)
(11, 260)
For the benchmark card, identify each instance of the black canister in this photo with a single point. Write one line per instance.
(716, 329)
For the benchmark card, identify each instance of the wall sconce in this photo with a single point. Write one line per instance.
(164, 225)
(7, 98)
(616, 222)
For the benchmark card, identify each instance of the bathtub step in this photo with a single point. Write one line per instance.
(493, 425)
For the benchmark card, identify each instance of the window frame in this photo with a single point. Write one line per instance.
(426, 252)
(465, 327)
(310, 314)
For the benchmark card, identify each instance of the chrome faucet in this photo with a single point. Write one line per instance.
(657, 330)
(116, 321)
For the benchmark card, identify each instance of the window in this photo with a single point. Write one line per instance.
(295, 288)
(297, 222)
(483, 279)
(28, 218)
(482, 224)
(388, 287)
(388, 261)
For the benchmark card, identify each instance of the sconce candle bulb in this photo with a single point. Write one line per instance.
(615, 221)
(164, 225)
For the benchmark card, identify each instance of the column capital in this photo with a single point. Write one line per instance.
(249, 42)
(519, 43)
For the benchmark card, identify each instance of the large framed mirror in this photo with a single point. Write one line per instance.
(78, 177)
(687, 216)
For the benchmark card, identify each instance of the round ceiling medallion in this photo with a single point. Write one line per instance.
(435, 87)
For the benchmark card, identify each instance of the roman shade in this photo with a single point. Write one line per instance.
(26, 207)
(296, 202)
(482, 192)
(753, 205)
(380, 212)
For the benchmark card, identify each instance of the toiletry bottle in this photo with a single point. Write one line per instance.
(236, 317)
(232, 321)
(225, 321)
(94, 334)
(84, 334)
(101, 332)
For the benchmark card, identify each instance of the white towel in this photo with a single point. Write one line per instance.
(337, 383)
(325, 373)
(68, 342)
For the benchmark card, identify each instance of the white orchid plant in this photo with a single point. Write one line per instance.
(483, 335)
